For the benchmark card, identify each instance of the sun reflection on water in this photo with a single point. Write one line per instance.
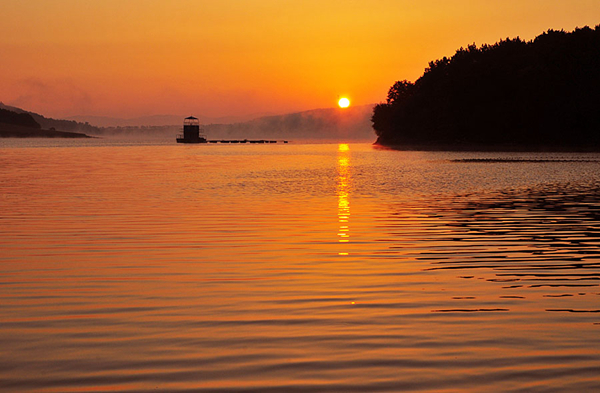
(343, 187)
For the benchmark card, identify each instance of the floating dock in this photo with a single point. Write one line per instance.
(191, 134)
(244, 141)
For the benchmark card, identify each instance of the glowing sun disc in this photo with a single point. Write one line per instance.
(344, 102)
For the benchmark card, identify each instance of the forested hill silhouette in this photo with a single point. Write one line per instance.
(18, 119)
(48, 122)
(540, 94)
(23, 125)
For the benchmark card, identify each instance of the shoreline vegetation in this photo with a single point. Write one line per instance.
(334, 124)
(13, 131)
(16, 123)
(514, 95)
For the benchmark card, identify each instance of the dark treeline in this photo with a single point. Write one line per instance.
(48, 123)
(541, 93)
(18, 119)
(65, 125)
(139, 130)
(20, 124)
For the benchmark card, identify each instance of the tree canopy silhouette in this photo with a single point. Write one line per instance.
(18, 119)
(544, 92)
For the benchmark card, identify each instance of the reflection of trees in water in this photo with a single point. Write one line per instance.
(544, 238)
(544, 213)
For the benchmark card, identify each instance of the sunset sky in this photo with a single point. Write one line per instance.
(130, 58)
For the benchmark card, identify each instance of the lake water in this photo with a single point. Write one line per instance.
(296, 268)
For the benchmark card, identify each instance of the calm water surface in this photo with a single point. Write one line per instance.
(296, 268)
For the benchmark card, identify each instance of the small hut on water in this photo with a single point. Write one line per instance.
(191, 131)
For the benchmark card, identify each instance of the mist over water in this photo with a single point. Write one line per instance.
(352, 124)
(329, 267)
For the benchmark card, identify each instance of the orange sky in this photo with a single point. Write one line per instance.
(130, 58)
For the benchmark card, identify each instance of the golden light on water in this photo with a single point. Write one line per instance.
(344, 102)
(343, 188)
(239, 256)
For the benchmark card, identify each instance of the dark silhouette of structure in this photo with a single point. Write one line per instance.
(541, 94)
(191, 134)
(191, 131)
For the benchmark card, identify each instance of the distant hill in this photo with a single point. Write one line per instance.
(319, 124)
(18, 119)
(22, 125)
(351, 123)
(156, 120)
(47, 123)
(514, 94)
(16, 131)
(106, 121)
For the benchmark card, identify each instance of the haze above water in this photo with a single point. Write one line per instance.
(330, 267)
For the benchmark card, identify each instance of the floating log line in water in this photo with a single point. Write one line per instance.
(191, 134)
(244, 141)
(202, 140)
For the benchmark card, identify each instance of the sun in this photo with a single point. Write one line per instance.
(344, 102)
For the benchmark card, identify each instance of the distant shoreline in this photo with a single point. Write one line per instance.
(13, 131)
(489, 148)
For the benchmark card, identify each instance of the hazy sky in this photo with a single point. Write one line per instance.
(225, 57)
